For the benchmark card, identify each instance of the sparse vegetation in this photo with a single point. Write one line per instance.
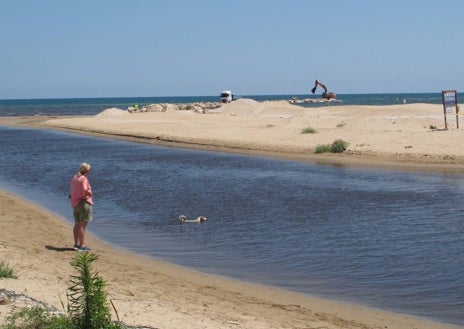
(308, 130)
(341, 124)
(6, 272)
(37, 318)
(338, 146)
(87, 304)
(408, 147)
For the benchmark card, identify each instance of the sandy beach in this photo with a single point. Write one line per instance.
(149, 292)
(407, 136)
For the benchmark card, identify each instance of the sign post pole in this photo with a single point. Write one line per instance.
(450, 100)
(457, 114)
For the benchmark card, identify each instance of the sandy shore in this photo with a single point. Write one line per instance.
(36, 243)
(407, 136)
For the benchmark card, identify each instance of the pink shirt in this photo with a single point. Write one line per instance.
(77, 190)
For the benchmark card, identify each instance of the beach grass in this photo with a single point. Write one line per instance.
(6, 272)
(338, 146)
(37, 318)
(308, 130)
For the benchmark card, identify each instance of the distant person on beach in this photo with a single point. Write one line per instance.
(136, 107)
(82, 203)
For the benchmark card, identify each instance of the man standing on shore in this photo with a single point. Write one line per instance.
(81, 201)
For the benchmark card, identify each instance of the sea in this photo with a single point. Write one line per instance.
(390, 240)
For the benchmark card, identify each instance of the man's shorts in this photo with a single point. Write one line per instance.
(83, 212)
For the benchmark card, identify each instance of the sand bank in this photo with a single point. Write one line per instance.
(37, 245)
(406, 136)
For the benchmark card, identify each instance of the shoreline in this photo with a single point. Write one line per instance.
(149, 292)
(406, 160)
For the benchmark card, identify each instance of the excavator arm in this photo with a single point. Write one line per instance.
(317, 83)
(325, 94)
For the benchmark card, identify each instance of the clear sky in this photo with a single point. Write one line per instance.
(115, 48)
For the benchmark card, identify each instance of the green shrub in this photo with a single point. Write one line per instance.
(36, 318)
(338, 146)
(308, 130)
(6, 272)
(322, 148)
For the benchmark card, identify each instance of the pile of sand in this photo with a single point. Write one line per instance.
(246, 106)
(111, 112)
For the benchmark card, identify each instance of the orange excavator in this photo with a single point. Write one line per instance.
(325, 94)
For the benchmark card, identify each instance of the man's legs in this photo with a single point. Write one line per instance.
(79, 233)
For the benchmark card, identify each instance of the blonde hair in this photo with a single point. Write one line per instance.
(83, 168)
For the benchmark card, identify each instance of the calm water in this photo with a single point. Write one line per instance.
(91, 106)
(386, 239)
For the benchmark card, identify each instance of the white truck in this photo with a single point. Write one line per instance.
(226, 96)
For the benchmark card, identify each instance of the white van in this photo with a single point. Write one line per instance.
(226, 96)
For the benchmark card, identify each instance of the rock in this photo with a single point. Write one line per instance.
(199, 107)
(155, 108)
(5, 300)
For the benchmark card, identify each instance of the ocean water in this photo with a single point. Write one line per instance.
(92, 106)
(389, 240)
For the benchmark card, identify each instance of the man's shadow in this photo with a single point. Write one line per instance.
(59, 249)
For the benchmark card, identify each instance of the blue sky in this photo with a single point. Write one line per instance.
(114, 48)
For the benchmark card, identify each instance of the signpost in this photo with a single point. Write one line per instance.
(450, 100)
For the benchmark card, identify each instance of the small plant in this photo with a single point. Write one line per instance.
(338, 146)
(308, 130)
(341, 124)
(37, 318)
(6, 272)
(88, 306)
(408, 147)
(322, 148)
